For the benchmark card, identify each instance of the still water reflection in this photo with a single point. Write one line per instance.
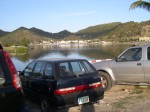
(86, 52)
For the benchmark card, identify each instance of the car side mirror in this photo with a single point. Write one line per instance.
(20, 73)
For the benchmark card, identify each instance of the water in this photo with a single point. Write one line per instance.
(88, 52)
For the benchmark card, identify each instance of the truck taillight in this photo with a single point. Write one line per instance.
(13, 72)
(77, 88)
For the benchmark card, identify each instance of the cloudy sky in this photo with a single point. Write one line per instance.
(73, 15)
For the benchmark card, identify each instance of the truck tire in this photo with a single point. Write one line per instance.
(106, 80)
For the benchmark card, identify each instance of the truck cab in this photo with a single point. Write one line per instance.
(130, 67)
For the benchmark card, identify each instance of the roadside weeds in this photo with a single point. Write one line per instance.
(127, 99)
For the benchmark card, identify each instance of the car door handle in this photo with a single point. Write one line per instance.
(139, 64)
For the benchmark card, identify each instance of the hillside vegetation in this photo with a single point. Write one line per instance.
(21, 36)
(2, 33)
(126, 32)
(94, 31)
(117, 31)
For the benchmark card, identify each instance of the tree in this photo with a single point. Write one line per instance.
(140, 4)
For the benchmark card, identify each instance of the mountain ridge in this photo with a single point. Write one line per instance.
(115, 31)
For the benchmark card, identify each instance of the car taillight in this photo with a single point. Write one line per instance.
(77, 88)
(95, 85)
(13, 72)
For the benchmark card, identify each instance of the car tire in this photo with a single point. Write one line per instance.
(106, 80)
(44, 104)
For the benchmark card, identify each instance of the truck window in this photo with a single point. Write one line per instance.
(148, 53)
(133, 54)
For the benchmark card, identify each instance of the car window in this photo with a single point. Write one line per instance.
(88, 67)
(133, 54)
(29, 68)
(73, 68)
(48, 70)
(2, 79)
(64, 69)
(77, 68)
(38, 70)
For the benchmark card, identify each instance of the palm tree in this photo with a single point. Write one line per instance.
(140, 4)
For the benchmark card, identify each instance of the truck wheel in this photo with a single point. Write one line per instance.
(106, 80)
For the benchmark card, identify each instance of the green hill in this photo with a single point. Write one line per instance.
(118, 32)
(21, 36)
(2, 33)
(94, 31)
(125, 32)
(40, 32)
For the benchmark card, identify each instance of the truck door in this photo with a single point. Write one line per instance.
(147, 65)
(129, 66)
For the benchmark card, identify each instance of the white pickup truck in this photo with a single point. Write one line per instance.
(132, 66)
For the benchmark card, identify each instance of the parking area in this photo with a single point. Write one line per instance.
(86, 108)
(120, 98)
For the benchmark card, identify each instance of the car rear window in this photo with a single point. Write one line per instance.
(75, 68)
(2, 79)
(64, 69)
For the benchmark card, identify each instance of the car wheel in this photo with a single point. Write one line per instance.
(106, 80)
(44, 104)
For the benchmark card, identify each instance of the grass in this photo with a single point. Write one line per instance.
(134, 95)
(16, 49)
(121, 103)
(137, 90)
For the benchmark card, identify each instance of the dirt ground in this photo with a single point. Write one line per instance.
(120, 98)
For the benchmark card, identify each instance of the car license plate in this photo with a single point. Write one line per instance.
(83, 100)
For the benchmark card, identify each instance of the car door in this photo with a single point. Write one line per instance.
(27, 72)
(129, 66)
(36, 78)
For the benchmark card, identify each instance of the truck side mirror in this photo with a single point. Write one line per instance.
(118, 59)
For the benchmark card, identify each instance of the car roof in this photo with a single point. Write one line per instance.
(59, 59)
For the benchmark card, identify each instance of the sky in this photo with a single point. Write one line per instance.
(72, 15)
